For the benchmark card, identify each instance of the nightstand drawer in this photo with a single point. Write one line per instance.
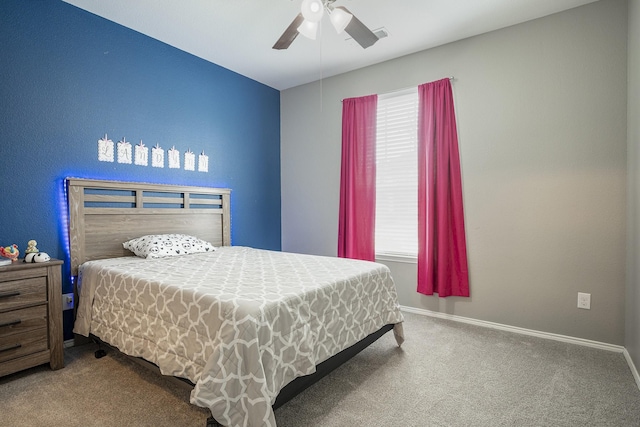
(23, 320)
(24, 292)
(30, 316)
(22, 344)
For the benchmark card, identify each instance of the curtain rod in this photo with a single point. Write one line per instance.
(405, 88)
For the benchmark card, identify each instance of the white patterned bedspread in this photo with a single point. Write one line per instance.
(240, 323)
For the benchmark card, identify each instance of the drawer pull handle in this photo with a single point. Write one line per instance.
(11, 347)
(9, 294)
(11, 323)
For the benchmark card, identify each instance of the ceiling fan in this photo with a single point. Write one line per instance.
(307, 22)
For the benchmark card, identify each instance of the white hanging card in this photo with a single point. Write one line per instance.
(189, 161)
(174, 158)
(124, 152)
(141, 155)
(157, 157)
(203, 162)
(105, 149)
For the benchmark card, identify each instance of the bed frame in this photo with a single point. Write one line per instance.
(103, 214)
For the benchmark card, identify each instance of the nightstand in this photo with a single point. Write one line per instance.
(30, 316)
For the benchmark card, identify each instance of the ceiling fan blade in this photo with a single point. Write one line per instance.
(358, 31)
(289, 34)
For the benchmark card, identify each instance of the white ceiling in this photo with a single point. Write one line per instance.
(239, 34)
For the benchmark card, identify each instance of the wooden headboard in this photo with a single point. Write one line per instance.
(104, 214)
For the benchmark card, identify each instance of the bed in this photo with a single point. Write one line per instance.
(249, 328)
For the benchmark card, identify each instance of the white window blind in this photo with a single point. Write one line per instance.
(397, 174)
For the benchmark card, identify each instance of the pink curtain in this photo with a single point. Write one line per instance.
(356, 222)
(442, 250)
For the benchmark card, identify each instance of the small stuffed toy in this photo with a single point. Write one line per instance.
(31, 247)
(10, 252)
(32, 254)
(37, 257)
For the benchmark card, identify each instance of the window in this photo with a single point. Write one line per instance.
(397, 175)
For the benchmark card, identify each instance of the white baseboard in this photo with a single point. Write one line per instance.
(531, 332)
(69, 343)
(517, 330)
(632, 366)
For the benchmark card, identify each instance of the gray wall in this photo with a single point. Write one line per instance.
(541, 109)
(632, 340)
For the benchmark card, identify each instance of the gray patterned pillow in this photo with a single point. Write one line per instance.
(165, 245)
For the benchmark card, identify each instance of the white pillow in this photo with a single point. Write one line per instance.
(165, 245)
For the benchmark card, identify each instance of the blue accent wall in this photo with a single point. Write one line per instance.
(67, 77)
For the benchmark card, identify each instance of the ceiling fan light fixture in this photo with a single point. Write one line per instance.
(308, 29)
(308, 21)
(312, 10)
(340, 19)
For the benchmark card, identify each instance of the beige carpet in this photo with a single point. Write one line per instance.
(111, 391)
(446, 374)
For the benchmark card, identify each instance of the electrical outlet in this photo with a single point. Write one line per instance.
(584, 300)
(67, 301)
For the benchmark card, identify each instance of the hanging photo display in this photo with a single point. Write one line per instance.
(139, 155)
